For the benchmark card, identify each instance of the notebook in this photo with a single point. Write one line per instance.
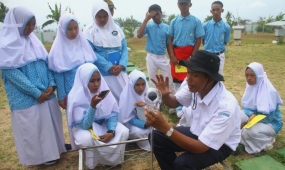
(114, 57)
(180, 69)
(93, 135)
(255, 120)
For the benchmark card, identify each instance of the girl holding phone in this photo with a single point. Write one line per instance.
(86, 110)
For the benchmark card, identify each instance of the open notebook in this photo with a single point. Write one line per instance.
(253, 121)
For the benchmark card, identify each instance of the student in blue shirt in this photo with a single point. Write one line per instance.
(217, 33)
(70, 49)
(156, 45)
(185, 32)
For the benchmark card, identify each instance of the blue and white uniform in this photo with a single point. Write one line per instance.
(105, 40)
(37, 128)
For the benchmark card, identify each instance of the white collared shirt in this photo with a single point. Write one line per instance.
(216, 119)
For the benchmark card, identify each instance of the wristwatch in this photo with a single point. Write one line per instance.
(111, 131)
(169, 133)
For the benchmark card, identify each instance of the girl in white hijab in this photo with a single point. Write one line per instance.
(260, 97)
(131, 99)
(36, 116)
(108, 41)
(85, 110)
(70, 49)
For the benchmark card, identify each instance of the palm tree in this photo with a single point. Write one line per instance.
(208, 18)
(3, 11)
(231, 20)
(54, 16)
(280, 17)
(131, 22)
(120, 21)
(170, 18)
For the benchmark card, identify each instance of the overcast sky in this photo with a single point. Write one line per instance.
(246, 9)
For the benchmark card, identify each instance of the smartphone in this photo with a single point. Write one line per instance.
(103, 94)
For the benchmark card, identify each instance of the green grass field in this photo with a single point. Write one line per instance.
(255, 47)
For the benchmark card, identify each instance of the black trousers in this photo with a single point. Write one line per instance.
(164, 150)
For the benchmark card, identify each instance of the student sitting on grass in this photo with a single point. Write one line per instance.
(132, 97)
(260, 98)
(86, 110)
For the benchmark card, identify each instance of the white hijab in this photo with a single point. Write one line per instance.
(67, 54)
(108, 36)
(79, 97)
(129, 97)
(261, 96)
(16, 49)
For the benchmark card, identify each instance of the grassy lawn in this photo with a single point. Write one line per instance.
(255, 47)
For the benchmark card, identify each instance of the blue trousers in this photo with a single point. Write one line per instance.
(164, 150)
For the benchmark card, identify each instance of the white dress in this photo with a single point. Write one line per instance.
(41, 140)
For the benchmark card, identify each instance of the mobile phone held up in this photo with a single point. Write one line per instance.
(103, 94)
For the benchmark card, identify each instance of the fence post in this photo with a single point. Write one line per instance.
(80, 159)
(42, 37)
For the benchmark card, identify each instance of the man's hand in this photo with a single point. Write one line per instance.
(106, 138)
(162, 84)
(156, 120)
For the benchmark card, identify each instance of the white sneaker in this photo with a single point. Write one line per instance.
(172, 110)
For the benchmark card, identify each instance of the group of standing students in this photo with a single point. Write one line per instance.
(82, 64)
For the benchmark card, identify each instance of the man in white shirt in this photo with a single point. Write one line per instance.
(214, 129)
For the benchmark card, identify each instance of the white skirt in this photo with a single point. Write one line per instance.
(117, 84)
(257, 137)
(38, 133)
(138, 133)
(108, 155)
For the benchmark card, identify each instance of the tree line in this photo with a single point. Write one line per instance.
(129, 24)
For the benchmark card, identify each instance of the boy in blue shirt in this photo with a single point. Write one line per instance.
(156, 43)
(185, 32)
(217, 34)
